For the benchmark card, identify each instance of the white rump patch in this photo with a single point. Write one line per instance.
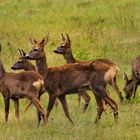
(38, 83)
(111, 73)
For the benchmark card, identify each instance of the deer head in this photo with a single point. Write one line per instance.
(37, 50)
(65, 45)
(22, 62)
(129, 86)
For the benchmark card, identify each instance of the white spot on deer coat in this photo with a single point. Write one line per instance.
(110, 74)
(39, 83)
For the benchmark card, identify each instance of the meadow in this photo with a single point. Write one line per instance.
(98, 29)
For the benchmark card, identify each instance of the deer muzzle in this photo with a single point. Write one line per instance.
(56, 51)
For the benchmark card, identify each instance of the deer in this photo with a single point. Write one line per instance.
(21, 85)
(131, 85)
(73, 78)
(65, 49)
(26, 65)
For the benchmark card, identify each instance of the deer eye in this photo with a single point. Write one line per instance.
(62, 46)
(35, 50)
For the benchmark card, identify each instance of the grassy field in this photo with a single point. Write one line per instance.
(98, 29)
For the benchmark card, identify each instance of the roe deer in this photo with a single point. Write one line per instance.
(73, 78)
(131, 85)
(66, 50)
(25, 64)
(20, 85)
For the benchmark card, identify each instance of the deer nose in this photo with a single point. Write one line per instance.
(12, 68)
(55, 51)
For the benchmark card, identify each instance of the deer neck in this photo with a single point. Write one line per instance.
(42, 66)
(69, 58)
(2, 70)
(30, 67)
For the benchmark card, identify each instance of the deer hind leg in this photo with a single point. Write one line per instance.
(40, 111)
(87, 100)
(63, 101)
(7, 105)
(102, 93)
(56, 102)
(116, 88)
(16, 104)
(28, 105)
(52, 98)
(100, 108)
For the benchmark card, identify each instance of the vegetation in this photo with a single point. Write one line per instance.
(98, 29)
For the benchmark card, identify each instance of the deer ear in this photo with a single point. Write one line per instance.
(62, 36)
(32, 40)
(67, 38)
(23, 53)
(44, 40)
(125, 77)
(20, 53)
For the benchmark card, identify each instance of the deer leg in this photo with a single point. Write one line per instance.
(16, 104)
(100, 108)
(56, 102)
(7, 104)
(28, 105)
(102, 93)
(63, 101)
(79, 100)
(87, 100)
(39, 108)
(134, 90)
(52, 98)
(116, 88)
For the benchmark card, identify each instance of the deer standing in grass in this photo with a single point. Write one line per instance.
(21, 85)
(26, 65)
(65, 49)
(73, 78)
(131, 85)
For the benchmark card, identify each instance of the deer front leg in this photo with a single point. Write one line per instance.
(16, 104)
(63, 101)
(52, 98)
(100, 108)
(7, 104)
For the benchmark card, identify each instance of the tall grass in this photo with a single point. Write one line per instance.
(98, 29)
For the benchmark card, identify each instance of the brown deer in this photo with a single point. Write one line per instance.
(73, 78)
(26, 65)
(131, 85)
(21, 85)
(65, 49)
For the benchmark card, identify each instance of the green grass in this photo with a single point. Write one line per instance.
(98, 29)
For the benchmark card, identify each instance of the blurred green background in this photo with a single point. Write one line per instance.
(98, 29)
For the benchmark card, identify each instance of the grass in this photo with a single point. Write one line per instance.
(98, 29)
